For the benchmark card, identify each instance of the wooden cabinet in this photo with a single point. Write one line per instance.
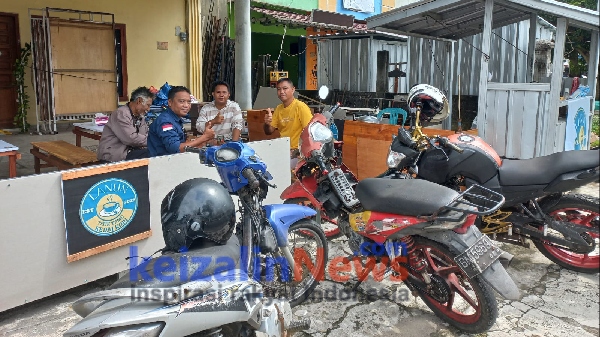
(256, 120)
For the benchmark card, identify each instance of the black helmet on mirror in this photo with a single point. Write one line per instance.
(433, 101)
(196, 208)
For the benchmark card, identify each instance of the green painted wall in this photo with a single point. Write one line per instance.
(307, 5)
(269, 44)
(266, 38)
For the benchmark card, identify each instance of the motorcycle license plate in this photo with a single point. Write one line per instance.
(478, 257)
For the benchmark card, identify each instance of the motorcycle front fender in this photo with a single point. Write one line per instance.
(302, 189)
(281, 217)
(495, 275)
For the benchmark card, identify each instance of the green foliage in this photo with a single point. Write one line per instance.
(22, 96)
(578, 40)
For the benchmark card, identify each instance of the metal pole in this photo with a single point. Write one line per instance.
(34, 70)
(243, 75)
(450, 83)
(483, 75)
(52, 111)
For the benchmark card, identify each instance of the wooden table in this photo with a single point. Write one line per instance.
(10, 151)
(88, 130)
(61, 155)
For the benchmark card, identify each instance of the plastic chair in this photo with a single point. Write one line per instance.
(393, 112)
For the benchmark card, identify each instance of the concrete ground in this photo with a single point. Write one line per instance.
(554, 301)
(23, 142)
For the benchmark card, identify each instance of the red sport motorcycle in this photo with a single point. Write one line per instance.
(424, 236)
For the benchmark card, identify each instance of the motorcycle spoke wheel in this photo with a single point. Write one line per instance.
(308, 245)
(470, 305)
(329, 226)
(580, 211)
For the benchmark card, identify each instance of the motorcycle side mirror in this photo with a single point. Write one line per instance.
(323, 92)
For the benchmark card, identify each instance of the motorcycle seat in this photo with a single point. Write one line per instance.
(412, 197)
(542, 170)
(201, 261)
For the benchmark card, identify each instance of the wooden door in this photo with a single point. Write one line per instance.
(9, 51)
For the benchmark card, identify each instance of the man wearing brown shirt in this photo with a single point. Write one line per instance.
(126, 132)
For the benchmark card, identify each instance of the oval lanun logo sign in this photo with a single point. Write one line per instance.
(108, 207)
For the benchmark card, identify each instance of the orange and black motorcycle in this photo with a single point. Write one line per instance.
(413, 231)
(563, 226)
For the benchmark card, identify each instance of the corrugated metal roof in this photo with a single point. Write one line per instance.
(454, 19)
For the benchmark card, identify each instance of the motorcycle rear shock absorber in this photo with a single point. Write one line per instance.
(415, 260)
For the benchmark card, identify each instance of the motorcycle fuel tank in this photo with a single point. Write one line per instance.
(478, 161)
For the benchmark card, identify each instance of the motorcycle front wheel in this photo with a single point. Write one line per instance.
(581, 211)
(466, 303)
(329, 226)
(308, 245)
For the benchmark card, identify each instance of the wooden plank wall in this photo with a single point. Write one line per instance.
(83, 60)
(366, 146)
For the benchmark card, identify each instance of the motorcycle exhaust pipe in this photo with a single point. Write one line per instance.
(505, 259)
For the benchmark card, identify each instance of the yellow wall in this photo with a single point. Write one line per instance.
(147, 21)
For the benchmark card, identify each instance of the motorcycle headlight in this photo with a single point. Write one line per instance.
(320, 133)
(394, 158)
(141, 330)
(226, 154)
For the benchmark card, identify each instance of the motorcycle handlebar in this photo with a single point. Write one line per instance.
(200, 151)
(319, 160)
(248, 173)
(192, 149)
(444, 141)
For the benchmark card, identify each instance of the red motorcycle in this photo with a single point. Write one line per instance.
(423, 236)
(318, 163)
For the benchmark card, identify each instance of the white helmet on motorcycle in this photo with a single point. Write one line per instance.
(434, 105)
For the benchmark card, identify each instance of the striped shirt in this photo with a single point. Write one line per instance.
(232, 118)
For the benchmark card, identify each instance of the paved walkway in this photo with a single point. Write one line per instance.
(23, 142)
(555, 302)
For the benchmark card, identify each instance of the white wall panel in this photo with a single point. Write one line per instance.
(33, 252)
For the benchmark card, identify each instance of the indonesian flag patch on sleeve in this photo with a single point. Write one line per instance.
(167, 127)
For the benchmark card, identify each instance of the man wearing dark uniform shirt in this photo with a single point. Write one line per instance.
(167, 135)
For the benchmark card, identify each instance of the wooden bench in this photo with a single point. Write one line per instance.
(61, 155)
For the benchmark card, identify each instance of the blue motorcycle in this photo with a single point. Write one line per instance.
(210, 281)
(282, 248)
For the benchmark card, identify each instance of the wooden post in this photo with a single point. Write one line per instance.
(383, 60)
(550, 119)
(531, 49)
(483, 75)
